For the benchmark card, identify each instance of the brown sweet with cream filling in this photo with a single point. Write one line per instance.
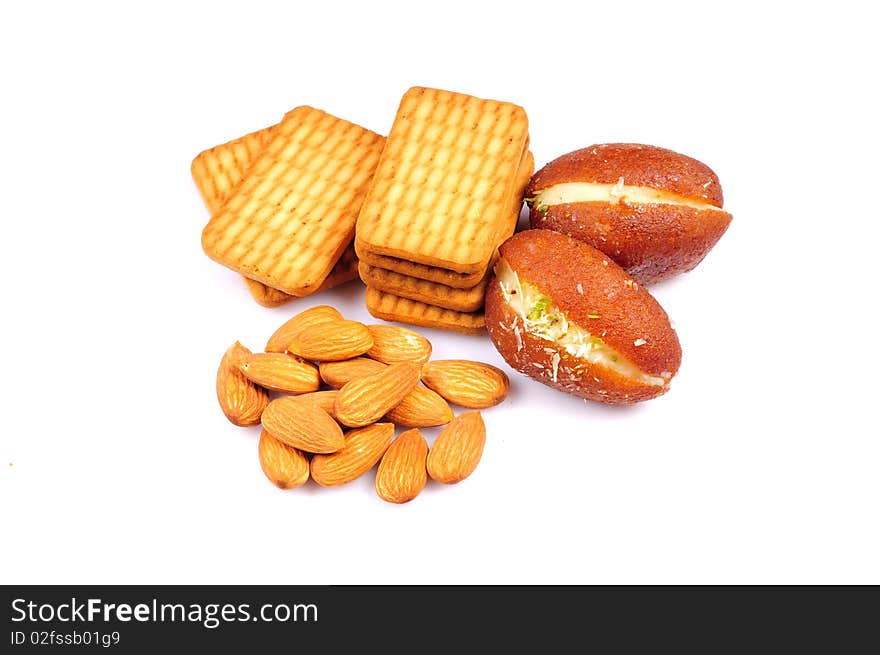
(563, 313)
(655, 212)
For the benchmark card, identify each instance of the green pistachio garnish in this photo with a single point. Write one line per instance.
(543, 209)
(538, 308)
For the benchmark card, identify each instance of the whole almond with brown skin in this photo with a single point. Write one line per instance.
(326, 400)
(393, 344)
(304, 320)
(338, 374)
(303, 425)
(402, 475)
(284, 465)
(457, 449)
(281, 372)
(332, 341)
(421, 408)
(240, 399)
(363, 448)
(470, 384)
(366, 400)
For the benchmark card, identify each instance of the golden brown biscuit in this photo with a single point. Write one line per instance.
(345, 270)
(219, 170)
(420, 271)
(403, 310)
(441, 191)
(293, 215)
(431, 293)
(444, 276)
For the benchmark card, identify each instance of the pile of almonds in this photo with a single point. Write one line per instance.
(379, 377)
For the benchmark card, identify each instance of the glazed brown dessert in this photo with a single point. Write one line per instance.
(655, 212)
(563, 313)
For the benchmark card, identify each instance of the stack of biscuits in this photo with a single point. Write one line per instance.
(424, 209)
(447, 191)
(284, 202)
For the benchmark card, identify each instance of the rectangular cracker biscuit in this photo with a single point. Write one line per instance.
(431, 293)
(294, 213)
(444, 276)
(218, 171)
(345, 270)
(435, 293)
(440, 192)
(389, 307)
(422, 271)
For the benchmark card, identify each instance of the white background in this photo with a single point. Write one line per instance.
(117, 466)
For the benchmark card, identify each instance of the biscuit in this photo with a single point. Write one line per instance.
(266, 296)
(442, 186)
(389, 307)
(289, 221)
(345, 270)
(421, 271)
(431, 293)
(217, 172)
(444, 276)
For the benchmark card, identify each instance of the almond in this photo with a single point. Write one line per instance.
(303, 425)
(366, 400)
(421, 408)
(281, 372)
(466, 383)
(240, 399)
(326, 400)
(338, 374)
(363, 448)
(284, 465)
(331, 341)
(304, 320)
(402, 475)
(457, 449)
(393, 344)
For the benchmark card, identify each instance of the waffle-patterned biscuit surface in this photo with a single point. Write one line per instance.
(389, 307)
(345, 270)
(217, 171)
(440, 193)
(290, 219)
(442, 275)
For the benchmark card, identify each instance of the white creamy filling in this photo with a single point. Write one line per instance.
(570, 192)
(542, 319)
